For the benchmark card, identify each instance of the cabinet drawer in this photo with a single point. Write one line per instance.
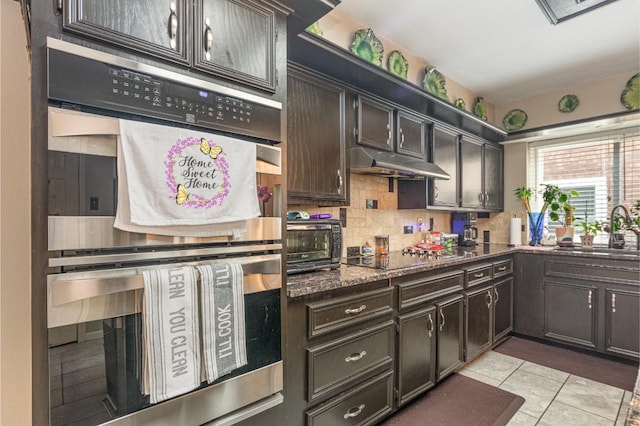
(612, 274)
(502, 268)
(335, 314)
(361, 405)
(333, 365)
(420, 289)
(478, 274)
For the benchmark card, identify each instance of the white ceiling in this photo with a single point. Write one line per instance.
(506, 50)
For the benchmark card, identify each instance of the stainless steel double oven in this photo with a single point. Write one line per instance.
(95, 271)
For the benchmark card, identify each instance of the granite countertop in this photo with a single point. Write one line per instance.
(302, 284)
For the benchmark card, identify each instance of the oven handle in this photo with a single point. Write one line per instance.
(63, 291)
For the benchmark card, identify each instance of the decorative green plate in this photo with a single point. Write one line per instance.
(435, 83)
(514, 119)
(460, 103)
(479, 109)
(315, 29)
(397, 64)
(630, 96)
(367, 46)
(568, 103)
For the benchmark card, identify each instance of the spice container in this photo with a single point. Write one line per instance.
(366, 249)
(382, 244)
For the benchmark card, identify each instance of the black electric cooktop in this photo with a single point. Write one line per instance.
(398, 259)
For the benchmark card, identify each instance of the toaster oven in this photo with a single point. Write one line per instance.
(313, 245)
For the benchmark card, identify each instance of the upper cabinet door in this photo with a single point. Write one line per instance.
(316, 160)
(411, 135)
(155, 27)
(471, 171)
(444, 153)
(236, 40)
(493, 180)
(375, 124)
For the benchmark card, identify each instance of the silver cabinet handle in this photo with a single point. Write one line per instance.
(353, 412)
(339, 181)
(355, 357)
(208, 39)
(495, 291)
(352, 311)
(173, 26)
(502, 268)
(481, 197)
(490, 299)
(430, 325)
(389, 135)
(435, 192)
(486, 197)
(613, 303)
(478, 275)
(442, 316)
(589, 298)
(401, 138)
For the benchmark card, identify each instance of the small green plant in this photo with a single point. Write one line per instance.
(558, 202)
(590, 228)
(524, 193)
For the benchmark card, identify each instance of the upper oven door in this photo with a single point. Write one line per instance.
(83, 188)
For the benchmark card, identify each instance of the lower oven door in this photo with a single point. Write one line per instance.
(95, 355)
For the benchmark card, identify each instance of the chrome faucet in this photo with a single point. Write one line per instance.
(627, 221)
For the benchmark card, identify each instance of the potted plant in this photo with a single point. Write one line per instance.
(561, 210)
(589, 231)
(524, 193)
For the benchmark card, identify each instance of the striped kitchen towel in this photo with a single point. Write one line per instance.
(222, 319)
(170, 333)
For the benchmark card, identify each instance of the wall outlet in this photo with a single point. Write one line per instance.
(408, 229)
(371, 204)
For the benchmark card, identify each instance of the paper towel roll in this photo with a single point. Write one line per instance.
(515, 233)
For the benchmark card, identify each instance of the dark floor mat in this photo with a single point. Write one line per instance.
(602, 370)
(459, 400)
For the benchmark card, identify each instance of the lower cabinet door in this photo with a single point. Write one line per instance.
(478, 307)
(416, 353)
(570, 313)
(364, 404)
(450, 335)
(622, 325)
(502, 308)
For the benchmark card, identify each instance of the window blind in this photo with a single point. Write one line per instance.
(604, 169)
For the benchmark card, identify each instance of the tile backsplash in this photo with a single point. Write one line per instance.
(363, 223)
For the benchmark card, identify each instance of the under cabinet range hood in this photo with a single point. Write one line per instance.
(383, 163)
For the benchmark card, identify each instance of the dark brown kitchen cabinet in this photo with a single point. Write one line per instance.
(622, 336)
(375, 123)
(571, 312)
(450, 335)
(478, 321)
(416, 353)
(503, 308)
(481, 174)
(160, 28)
(444, 153)
(233, 39)
(316, 161)
(236, 39)
(411, 134)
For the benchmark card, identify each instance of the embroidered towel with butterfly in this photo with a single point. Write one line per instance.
(184, 182)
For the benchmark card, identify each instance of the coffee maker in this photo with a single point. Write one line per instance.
(463, 225)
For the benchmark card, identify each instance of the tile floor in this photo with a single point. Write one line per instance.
(552, 397)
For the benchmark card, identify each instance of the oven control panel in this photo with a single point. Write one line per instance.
(135, 89)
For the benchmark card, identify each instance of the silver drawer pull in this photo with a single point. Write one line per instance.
(613, 303)
(502, 268)
(351, 311)
(355, 357)
(478, 275)
(354, 412)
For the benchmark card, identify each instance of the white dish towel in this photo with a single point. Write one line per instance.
(170, 333)
(223, 325)
(174, 177)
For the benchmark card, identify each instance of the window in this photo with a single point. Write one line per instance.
(604, 169)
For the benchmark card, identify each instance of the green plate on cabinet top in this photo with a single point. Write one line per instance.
(568, 103)
(435, 83)
(630, 96)
(367, 46)
(479, 108)
(315, 29)
(397, 64)
(460, 103)
(514, 119)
